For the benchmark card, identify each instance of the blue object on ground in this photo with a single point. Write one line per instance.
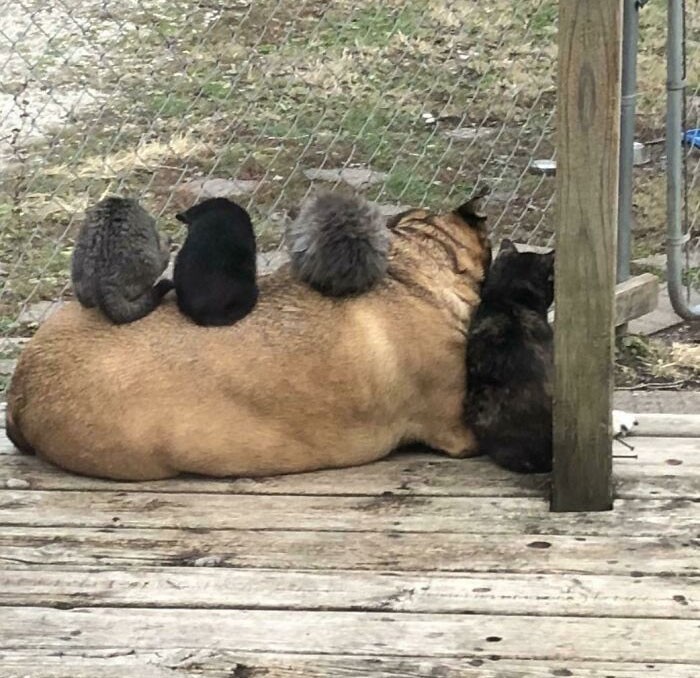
(692, 138)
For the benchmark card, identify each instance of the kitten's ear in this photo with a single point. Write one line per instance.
(507, 245)
(183, 217)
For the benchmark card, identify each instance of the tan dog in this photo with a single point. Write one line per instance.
(305, 382)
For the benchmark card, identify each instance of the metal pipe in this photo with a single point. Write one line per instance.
(675, 90)
(630, 37)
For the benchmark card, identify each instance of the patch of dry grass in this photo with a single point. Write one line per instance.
(654, 363)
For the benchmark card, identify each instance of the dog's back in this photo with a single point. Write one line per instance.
(295, 385)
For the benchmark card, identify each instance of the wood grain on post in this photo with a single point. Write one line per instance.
(588, 141)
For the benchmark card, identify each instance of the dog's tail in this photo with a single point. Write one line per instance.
(339, 244)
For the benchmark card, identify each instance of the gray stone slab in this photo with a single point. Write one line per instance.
(354, 176)
(661, 318)
(201, 189)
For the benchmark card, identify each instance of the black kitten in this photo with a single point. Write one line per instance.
(510, 361)
(215, 271)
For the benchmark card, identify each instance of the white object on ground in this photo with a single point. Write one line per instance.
(623, 423)
(16, 484)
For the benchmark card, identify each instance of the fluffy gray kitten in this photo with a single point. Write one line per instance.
(117, 259)
(339, 244)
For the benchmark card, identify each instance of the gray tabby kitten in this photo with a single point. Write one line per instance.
(339, 244)
(117, 259)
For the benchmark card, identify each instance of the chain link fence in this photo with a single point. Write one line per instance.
(650, 215)
(691, 129)
(411, 103)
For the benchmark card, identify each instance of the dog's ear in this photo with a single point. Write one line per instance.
(549, 263)
(507, 245)
(470, 212)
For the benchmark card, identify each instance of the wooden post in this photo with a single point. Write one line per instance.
(588, 129)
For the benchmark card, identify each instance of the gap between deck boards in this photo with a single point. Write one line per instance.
(221, 663)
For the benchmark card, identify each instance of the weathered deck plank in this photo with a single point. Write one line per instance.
(668, 425)
(115, 663)
(673, 472)
(288, 549)
(417, 474)
(632, 481)
(447, 635)
(348, 590)
(632, 517)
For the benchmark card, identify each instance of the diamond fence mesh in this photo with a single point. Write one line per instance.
(650, 218)
(411, 103)
(692, 158)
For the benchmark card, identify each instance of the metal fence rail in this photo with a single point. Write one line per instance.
(682, 119)
(665, 195)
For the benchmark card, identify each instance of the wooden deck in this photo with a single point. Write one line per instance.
(414, 566)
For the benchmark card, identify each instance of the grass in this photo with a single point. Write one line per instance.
(655, 363)
(163, 93)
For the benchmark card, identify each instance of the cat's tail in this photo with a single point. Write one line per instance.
(120, 310)
(339, 244)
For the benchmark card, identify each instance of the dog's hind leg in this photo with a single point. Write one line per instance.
(15, 436)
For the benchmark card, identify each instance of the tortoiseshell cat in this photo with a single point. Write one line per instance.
(510, 362)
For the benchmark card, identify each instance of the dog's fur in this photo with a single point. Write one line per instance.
(339, 244)
(305, 382)
(117, 259)
(510, 361)
(215, 271)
